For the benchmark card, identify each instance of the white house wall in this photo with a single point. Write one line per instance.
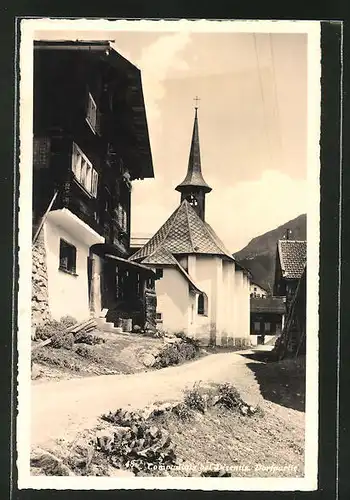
(68, 294)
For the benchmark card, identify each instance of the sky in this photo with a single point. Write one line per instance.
(252, 126)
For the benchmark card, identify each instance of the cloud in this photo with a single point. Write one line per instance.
(236, 213)
(250, 208)
(156, 62)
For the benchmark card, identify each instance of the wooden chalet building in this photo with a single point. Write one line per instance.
(290, 265)
(90, 142)
(266, 317)
(290, 282)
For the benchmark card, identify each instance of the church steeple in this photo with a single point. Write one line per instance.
(194, 188)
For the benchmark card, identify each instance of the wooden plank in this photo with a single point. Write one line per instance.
(42, 344)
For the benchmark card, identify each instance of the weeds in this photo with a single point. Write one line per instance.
(196, 399)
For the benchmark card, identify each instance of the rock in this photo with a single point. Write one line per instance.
(36, 371)
(244, 410)
(49, 463)
(148, 360)
(105, 439)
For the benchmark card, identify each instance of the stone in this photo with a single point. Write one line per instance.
(49, 463)
(36, 371)
(148, 360)
(104, 439)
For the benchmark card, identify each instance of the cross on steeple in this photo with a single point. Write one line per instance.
(196, 99)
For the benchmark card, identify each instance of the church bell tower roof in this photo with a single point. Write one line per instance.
(194, 177)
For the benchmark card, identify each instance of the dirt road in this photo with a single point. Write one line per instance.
(62, 409)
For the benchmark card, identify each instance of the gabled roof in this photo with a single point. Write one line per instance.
(184, 233)
(162, 256)
(292, 255)
(274, 305)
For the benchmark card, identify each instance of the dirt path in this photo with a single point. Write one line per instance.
(62, 409)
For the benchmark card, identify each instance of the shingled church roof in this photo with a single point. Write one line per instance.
(183, 233)
(194, 177)
(292, 255)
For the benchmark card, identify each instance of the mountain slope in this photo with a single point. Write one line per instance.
(260, 253)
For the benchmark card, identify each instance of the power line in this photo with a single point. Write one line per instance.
(279, 132)
(262, 96)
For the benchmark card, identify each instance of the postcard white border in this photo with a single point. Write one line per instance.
(28, 27)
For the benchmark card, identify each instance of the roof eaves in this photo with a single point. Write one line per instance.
(188, 277)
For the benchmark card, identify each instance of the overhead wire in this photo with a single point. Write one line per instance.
(262, 97)
(279, 131)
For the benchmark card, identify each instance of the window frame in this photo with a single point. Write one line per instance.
(84, 172)
(202, 311)
(91, 117)
(267, 330)
(70, 268)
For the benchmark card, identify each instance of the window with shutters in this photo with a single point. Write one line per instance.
(91, 113)
(83, 171)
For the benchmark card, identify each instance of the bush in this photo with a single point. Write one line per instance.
(189, 340)
(183, 412)
(87, 353)
(47, 331)
(229, 396)
(65, 340)
(87, 338)
(54, 327)
(176, 353)
(136, 442)
(195, 399)
(68, 321)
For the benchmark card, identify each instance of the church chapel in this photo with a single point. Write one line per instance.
(201, 290)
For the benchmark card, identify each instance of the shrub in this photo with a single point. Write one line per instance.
(136, 442)
(176, 353)
(86, 352)
(189, 340)
(183, 412)
(65, 340)
(68, 321)
(229, 396)
(46, 331)
(195, 398)
(87, 338)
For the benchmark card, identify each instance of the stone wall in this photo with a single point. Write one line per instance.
(40, 295)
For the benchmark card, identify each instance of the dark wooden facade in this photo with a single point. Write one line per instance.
(64, 76)
(284, 287)
(266, 316)
(292, 342)
(68, 78)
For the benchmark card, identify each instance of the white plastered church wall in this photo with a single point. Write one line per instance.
(173, 300)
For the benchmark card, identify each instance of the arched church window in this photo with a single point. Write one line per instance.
(202, 307)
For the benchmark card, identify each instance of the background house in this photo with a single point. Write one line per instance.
(257, 290)
(266, 318)
(90, 142)
(290, 265)
(290, 282)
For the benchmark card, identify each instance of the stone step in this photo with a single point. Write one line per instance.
(107, 326)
